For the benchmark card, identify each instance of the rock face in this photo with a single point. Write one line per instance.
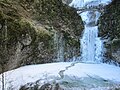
(47, 86)
(41, 31)
(110, 30)
(67, 1)
(37, 31)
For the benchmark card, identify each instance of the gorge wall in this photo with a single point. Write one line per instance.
(110, 30)
(38, 31)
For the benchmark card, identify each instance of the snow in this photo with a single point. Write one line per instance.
(90, 16)
(82, 3)
(23, 75)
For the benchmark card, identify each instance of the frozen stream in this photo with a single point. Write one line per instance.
(91, 45)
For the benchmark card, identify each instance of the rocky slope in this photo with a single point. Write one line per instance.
(37, 31)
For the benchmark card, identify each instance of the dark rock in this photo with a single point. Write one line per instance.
(46, 86)
(67, 1)
(110, 29)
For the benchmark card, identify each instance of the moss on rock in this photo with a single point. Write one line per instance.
(110, 28)
(27, 29)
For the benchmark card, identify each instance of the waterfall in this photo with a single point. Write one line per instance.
(91, 44)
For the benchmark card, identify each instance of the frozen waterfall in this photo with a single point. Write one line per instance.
(91, 44)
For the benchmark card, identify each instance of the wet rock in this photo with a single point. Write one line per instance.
(46, 86)
(67, 1)
(110, 30)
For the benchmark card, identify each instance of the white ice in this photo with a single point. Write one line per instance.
(83, 3)
(21, 76)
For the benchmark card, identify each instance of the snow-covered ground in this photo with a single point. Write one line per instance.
(48, 72)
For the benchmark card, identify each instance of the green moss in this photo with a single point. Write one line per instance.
(44, 35)
(110, 21)
(24, 17)
(16, 29)
(56, 14)
(115, 44)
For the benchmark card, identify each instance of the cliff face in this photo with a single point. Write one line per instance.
(37, 31)
(110, 30)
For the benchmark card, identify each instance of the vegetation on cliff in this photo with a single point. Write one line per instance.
(110, 30)
(28, 29)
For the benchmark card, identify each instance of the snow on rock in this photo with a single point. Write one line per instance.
(46, 72)
(88, 3)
